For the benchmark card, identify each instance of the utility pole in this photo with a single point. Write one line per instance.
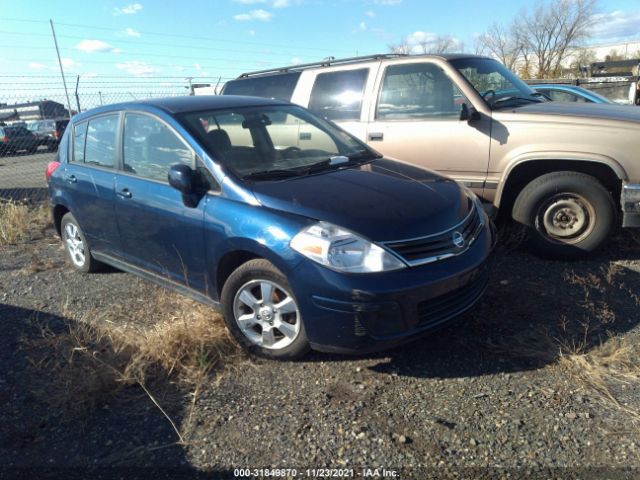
(64, 82)
(77, 95)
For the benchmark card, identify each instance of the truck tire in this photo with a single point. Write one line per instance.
(567, 214)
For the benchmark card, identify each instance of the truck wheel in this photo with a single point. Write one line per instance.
(262, 313)
(567, 214)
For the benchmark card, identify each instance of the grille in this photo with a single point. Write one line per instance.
(440, 245)
(436, 310)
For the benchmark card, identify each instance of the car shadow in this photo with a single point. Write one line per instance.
(533, 311)
(60, 419)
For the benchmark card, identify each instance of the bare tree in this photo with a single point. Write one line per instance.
(402, 48)
(430, 44)
(503, 43)
(537, 41)
(551, 30)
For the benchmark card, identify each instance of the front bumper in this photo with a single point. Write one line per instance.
(630, 202)
(360, 313)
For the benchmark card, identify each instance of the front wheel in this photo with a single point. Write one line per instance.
(262, 313)
(567, 214)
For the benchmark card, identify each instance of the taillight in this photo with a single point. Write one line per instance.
(51, 167)
(56, 135)
(5, 139)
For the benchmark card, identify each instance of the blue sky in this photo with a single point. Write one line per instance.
(222, 38)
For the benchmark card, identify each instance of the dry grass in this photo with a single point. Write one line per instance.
(169, 347)
(20, 222)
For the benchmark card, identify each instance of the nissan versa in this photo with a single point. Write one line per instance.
(302, 235)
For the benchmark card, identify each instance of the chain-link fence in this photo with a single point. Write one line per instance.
(35, 111)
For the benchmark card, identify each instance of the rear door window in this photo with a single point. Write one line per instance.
(100, 147)
(338, 95)
(272, 86)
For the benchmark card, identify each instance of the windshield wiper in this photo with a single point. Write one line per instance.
(275, 174)
(514, 98)
(364, 155)
(340, 161)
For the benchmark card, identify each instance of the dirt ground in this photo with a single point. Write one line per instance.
(540, 380)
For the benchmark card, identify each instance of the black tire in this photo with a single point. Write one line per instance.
(33, 149)
(241, 279)
(90, 264)
(574, 205)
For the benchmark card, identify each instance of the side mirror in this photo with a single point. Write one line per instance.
(469, 114)
(181, 178)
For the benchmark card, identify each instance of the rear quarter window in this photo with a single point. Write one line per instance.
(338, 95)
(279, 86)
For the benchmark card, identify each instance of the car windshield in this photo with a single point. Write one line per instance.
(496, 83)
(275, 142)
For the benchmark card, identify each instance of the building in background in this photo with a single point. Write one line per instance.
(30, 111)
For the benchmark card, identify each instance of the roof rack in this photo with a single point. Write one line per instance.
(324, 63)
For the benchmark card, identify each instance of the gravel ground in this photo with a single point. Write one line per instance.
(498, 394)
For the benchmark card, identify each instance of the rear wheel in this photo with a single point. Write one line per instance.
(262, 313)
(76, 246)
(567, 214)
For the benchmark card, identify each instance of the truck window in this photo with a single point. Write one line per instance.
(338, 95)
(418, 90)
(279, 86)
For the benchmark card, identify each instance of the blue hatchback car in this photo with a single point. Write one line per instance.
(302, 235)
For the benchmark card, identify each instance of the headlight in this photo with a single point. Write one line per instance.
(342, 250)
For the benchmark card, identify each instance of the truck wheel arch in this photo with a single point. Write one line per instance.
(523, 172)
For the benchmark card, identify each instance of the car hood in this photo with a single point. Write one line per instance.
(625, 113)
(383, 200)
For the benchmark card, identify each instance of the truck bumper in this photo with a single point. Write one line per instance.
(630, 202)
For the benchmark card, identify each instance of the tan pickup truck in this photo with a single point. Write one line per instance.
(569, 172)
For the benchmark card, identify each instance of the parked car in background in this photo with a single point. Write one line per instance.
(49, 132)
(570, 93)
(568, 172)
(14, 139)
(300, 233)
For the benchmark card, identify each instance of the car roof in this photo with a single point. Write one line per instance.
(185, 104)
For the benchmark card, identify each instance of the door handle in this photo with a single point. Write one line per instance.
(376, 136)
(125, 193)
(71, 179)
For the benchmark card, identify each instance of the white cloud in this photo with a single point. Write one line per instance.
(417, 40)
(296, 60)
(370, 13)
(616, 25)
(273, 3)
(130, 9)
(260, 15)
(387, 2)
(130, 32)
(362, 26)
(68, 62)
(137, 68)
(37, 66)
(92, 46)
(89, 75)
(197, 66)
(252, 33)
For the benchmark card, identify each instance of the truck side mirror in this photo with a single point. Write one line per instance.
(469, 114)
